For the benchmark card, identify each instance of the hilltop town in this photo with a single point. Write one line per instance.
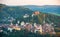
(23, 22)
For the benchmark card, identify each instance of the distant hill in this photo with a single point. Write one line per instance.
(17, 12)
(13, 11)
(53, 9)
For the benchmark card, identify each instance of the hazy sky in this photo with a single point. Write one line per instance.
(30, 2)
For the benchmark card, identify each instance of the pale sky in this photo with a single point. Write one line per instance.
(30, 2)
